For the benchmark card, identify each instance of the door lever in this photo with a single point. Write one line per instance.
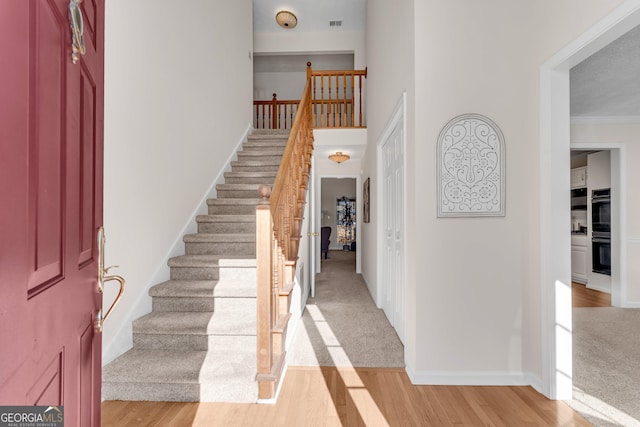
(104, 278)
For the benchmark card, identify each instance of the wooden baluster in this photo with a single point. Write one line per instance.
(344, 108)
(322, 100)
(353, 97)
(274, 109)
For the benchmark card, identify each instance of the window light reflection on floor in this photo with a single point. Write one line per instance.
(364, 403)
(592, 406)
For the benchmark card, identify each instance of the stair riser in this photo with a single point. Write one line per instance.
(204, 304)
(238, 194)
(251, 180)
(227, 227)
(260, 146)
(232, 210)
(213, 248)
(183, 304)
(194, 342)
(259, 157)
(189, 392)
(255, 168)
(180, 342)
(171, 341)
(213, 273)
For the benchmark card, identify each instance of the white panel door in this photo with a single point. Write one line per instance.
(393, 294)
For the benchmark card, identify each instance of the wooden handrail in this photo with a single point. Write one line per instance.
(279, 218)
(336, 102)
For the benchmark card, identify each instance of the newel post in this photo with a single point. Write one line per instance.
(264, 262)
(274, 113)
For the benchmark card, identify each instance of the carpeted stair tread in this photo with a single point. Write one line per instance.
(261, 153)
(268, 162)
(262, 133)
(183, 376)
(224, 322)
(223, 261)
(219, 238)
(262, 144)
(226, 218)
(252, 174)
(203, 289)
(249, 187)
(230, 201)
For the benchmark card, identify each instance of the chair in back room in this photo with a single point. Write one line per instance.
(325, 233)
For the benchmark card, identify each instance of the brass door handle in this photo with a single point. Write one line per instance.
(103, 278)
(313, 234)
(77, 30)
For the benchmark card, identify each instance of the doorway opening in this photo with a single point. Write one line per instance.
(602, 164)
(555, 134)
(339, 218)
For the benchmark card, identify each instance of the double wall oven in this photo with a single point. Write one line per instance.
(601, 230)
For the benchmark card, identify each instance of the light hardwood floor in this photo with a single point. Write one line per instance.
(331, 396)
(585, 297)
(365, 396)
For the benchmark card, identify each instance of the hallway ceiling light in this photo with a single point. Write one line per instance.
(339, 157)
(286, 19)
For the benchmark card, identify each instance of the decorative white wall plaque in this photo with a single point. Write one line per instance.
(471, 168)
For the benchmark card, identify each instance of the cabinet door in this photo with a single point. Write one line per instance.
(579, 177)
(579, 264)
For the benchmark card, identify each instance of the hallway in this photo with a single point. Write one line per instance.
(342, 326)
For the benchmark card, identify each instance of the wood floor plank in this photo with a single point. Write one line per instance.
(585, 297)
(329, 396)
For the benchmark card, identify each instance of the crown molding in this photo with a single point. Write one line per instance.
(577, 120)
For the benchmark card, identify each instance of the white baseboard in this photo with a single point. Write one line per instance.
(468, 378)
(123, 339)
(599, 288)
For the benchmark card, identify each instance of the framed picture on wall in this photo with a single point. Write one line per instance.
(365, 200)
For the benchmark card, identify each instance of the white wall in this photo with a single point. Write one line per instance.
(390, 59)
(473, 285)
(286, 75)
(629, 135)
(177, 102)
(312, 42)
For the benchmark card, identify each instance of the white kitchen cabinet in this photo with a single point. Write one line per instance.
(579, 177)
(579, 258)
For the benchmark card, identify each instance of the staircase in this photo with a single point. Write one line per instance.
(199, 342)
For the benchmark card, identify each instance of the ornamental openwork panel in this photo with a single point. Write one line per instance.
(471, 168)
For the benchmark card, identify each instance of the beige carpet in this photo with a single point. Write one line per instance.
(606, 365)
(341, 326)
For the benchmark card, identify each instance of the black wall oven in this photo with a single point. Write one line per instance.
(601, 231)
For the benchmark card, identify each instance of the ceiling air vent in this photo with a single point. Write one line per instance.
(337, 23)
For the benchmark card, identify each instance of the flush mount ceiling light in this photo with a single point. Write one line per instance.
(286, 19)
(339, 157)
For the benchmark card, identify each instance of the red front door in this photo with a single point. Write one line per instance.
(51, 145)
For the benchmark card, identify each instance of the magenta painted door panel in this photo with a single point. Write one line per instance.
(51, 145)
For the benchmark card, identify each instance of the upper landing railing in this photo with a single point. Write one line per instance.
(336, 102)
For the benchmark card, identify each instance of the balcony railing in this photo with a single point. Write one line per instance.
(336, 102)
